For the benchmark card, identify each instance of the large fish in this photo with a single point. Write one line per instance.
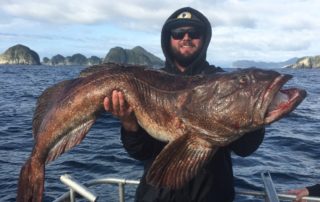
(195, 115)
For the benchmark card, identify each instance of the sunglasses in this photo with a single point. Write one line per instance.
(179, 34)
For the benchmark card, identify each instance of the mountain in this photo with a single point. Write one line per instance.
(57, 60)
(261, 64)
(308, 62)
(76, 59)
(94, 60)
(21, 55)
(135, 56)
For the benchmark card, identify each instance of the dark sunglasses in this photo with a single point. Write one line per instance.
(179, 33)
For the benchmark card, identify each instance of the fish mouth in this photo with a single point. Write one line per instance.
(280, 102)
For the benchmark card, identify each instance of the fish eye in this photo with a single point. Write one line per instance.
(243, 79)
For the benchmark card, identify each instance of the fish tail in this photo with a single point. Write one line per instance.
(31, 182)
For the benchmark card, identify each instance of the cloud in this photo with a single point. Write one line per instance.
(54, 11)
(152, 13)
(87, 12)
(38, 36)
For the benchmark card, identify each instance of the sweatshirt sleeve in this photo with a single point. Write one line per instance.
(314, 190)
(140, 145)
(248, 143)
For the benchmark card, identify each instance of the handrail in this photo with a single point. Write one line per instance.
(75, 186)
(67, 180)
(84, 190)
(281, 196)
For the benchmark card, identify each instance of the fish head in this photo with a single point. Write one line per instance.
(247, 99)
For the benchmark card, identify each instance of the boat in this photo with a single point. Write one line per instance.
(83, 190)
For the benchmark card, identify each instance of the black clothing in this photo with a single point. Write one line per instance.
(214, 182)
(314, 190)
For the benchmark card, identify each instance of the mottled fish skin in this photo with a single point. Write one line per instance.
(195, 115)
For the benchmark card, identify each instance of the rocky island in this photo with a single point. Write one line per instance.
(262, 64)
(135, 56)
(21, 55)
(76, 59)
(306, 63)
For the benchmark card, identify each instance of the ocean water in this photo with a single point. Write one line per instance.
(290, 150)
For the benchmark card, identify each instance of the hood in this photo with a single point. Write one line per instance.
(186, 17)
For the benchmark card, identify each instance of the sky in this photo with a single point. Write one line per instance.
(260, 30)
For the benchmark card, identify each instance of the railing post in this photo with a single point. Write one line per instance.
(121, 192)
(78, 187)
(72, 195)
(271, 192)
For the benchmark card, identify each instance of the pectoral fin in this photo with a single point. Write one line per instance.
(179, 162)
(69, 140)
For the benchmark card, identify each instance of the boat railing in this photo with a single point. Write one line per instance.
(83, 190)
(78, 189)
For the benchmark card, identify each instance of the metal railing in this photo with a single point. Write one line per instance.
(77, 188)
(270, 190)
(83, 190)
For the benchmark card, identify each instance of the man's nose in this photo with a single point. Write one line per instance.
(186, 36)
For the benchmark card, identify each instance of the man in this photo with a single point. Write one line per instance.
(185, 38)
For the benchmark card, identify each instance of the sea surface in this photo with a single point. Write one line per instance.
(290, 150)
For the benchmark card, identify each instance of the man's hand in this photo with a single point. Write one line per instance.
(299, 193)
(119, 108)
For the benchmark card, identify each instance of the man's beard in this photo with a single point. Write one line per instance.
(184, 60)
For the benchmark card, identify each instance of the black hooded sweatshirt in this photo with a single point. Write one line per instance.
(214, 182)
(314, 190)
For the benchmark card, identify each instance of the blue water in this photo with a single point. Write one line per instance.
(290, 150)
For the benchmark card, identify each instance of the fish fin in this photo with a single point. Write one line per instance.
(46, 101)
(179, 162)
(71, 139)
(97, 68)
(31, 181)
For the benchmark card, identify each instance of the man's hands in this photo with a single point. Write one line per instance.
(119, 108)
(299, 193)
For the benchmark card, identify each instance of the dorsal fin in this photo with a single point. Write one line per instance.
(179, 162)
(96, 68)
(45, 102)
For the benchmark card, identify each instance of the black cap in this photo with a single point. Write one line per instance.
(185, 18)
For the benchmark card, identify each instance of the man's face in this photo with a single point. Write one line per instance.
(186, 43)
